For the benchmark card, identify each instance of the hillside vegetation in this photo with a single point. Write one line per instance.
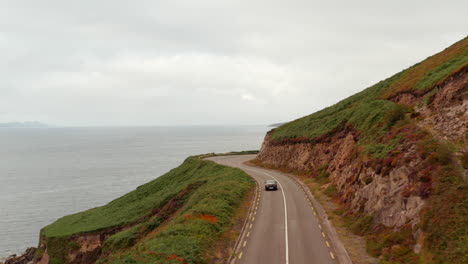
(394, 156)
(372, 112)
(175, 218)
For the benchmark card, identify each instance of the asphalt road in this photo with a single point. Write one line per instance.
(283, 227)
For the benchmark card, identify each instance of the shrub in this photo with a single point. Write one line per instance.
(379, 150)
(394, 115)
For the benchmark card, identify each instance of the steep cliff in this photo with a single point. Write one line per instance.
(176, 218)
(395, 156)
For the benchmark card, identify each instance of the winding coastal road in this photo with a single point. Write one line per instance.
(283, 227)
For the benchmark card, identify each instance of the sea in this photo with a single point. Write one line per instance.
(47, 173)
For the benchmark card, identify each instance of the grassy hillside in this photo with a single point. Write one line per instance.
(389, 135)
(370, 111)
(173, 219)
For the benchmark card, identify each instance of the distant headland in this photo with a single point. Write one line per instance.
(277, 124)
(22, 124)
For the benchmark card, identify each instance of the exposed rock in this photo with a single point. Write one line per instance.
(419, 238)
(405, 98)
(383, 197)
(447, 117)
(26, 258)
(394, 191)
(44, 259)
(90, 248)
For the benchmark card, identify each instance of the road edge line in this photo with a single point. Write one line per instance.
(285, 212)
(285, 220)
(237, 245)
(341, 253)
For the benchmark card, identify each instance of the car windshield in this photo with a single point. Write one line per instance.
(271, 182)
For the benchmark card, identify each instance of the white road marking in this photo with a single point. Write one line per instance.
(286, 218)
(245, 243)
(285, 213)
(251, 225)
(320, 227)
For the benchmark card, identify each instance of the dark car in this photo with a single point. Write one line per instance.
(271, 185)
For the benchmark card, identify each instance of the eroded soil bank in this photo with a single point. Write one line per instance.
(394, 193)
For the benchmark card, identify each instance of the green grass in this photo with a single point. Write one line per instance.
(366, 111)
(362, 111)
(442, 71)
(381, 150)
(384, 130)
(207, 195)
(432, 71)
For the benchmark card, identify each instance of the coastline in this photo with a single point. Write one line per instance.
(25, 258)
(64, 178)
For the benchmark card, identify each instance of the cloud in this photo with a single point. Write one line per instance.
(173, 62)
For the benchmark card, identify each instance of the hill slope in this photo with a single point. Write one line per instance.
(175, 218)
(395, 157)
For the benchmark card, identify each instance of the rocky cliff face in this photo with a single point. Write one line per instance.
(368, 186)
(26, 258)
(447, 118)
(394, 189)
(384, 188)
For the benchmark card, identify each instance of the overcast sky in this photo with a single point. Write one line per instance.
(206, 62)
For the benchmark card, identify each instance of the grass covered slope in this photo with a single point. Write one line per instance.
(394, 159)
(172, 219)
(372, 111)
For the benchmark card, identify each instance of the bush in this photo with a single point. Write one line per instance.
(394, 115)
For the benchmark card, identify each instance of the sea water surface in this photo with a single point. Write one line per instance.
(46, 173)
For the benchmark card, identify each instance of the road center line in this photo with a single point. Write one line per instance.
(285, 213)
